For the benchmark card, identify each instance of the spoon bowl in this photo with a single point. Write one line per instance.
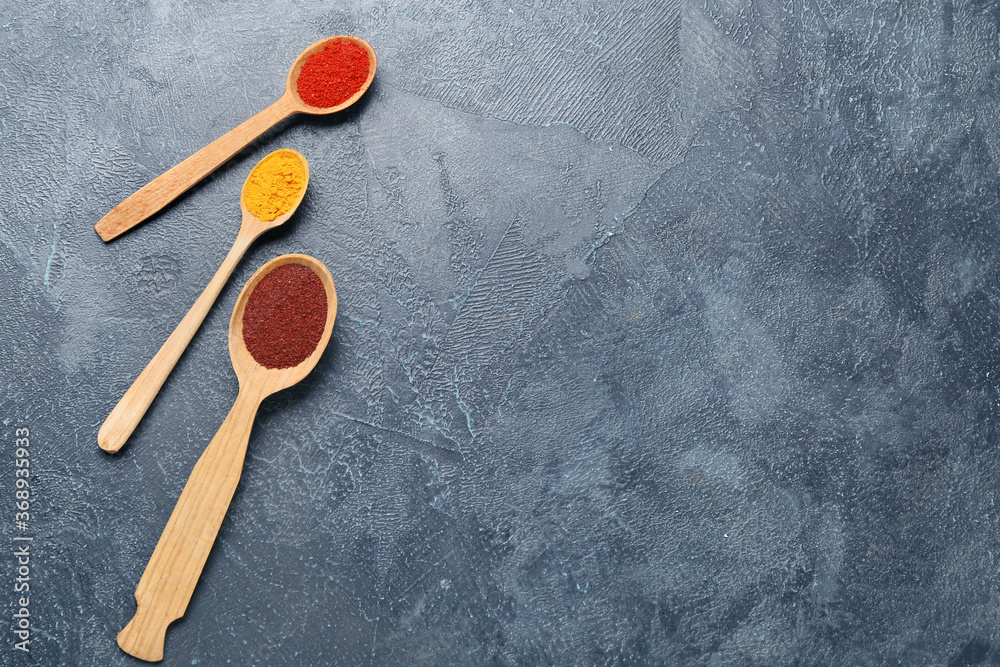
(173, 570)
(132, 406)
(177, 180)
(248, 371)
(291, 86)
(249, 219)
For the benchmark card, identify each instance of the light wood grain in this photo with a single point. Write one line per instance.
(127, 414)
(172, 573)
(170, 577)
(176, 181)
(166, 187)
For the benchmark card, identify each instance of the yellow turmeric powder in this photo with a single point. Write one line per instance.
(274, 185)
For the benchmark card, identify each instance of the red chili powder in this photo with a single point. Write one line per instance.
(332, 75)
(285, 316)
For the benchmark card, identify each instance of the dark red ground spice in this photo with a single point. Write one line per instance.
(332, 75)
(285, 316)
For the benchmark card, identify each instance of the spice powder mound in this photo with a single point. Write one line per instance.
(274, 185)
(285, 316)
(329, 77)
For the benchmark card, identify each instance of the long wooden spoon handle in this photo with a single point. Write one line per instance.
(171, 184)
(129, 411)
(173, 570)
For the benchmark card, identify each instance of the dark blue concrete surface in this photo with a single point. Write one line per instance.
(669, 333)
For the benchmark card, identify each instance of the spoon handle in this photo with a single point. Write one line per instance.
(171, 184)
(173, 570)
(129, 411)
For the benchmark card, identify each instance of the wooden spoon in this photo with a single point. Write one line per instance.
(171, 184)
(173, 570)
(129, 411)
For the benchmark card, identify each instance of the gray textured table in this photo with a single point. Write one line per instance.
(669, 333)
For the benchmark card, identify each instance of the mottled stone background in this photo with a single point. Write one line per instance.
(669, 332)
